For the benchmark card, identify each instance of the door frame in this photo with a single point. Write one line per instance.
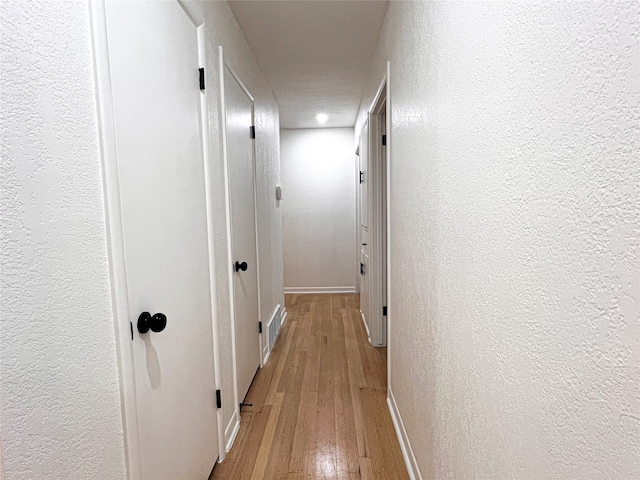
(107, 145)
(225, 154)
(379, 184)
(362, 178)
(388, 160)
(357, 222)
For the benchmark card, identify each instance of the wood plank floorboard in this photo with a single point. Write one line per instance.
(319, 405)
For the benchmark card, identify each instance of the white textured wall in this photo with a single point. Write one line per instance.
(318, 209)
(59, 401)
(59, 395)
(222, 29)
(515, 236)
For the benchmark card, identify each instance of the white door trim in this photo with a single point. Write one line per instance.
(385, 87)
(357, 222)
(204, 120)
(229, 432)
(375, 211)
(363, 153)
(242, 86)
(388, 208)
(364, 283)
(375, 149)
(115, 237)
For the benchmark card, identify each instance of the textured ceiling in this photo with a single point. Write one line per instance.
(314, 54)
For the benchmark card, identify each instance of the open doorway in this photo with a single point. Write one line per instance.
(373, 230)
(378, 216)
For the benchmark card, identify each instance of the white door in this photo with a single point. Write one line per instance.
(383, 223)
(239, 119)
(364, 176)
(154, 68)
(364, 226)
(364, 292)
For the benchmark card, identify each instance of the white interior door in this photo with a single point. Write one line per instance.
(365, 292)
(154, 67)
(364, 227)
(383, 223)
(240, 156)
(364, 176)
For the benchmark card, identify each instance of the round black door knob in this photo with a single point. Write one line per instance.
(156, 323)
(241, 266)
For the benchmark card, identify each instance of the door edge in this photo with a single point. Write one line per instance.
(115, 236)
(229, 237)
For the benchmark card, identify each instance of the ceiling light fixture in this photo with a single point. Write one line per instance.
(322, 117)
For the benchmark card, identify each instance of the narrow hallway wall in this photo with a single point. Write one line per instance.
(515, 236)
(59, 400)
(318, 182)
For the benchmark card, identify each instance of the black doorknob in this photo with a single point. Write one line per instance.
(241, 266)
(156, 323)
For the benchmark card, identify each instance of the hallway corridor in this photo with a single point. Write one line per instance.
(319, 405)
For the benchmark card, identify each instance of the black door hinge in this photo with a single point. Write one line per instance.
(218, 399)
(201, 79)
(361, 177)
(131, 325)
(252, 131)
(361, 268)
(384, 311)
(384, 139)
(259, 327)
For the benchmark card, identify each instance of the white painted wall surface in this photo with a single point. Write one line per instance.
(515, 236)
(318, 209)
(59, 401)
(60, 407)
(222, 29)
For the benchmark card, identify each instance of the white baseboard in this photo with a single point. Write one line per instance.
(405, 445)
(319, 290)
(231, 431)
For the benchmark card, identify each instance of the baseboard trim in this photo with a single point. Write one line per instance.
(317, 290)
(405, 445)
(231, 431)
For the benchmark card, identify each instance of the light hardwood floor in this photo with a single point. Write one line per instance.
(319, 405)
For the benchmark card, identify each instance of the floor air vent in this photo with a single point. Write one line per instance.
(275, 322)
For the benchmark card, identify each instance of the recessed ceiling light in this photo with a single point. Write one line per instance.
(322, 117)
